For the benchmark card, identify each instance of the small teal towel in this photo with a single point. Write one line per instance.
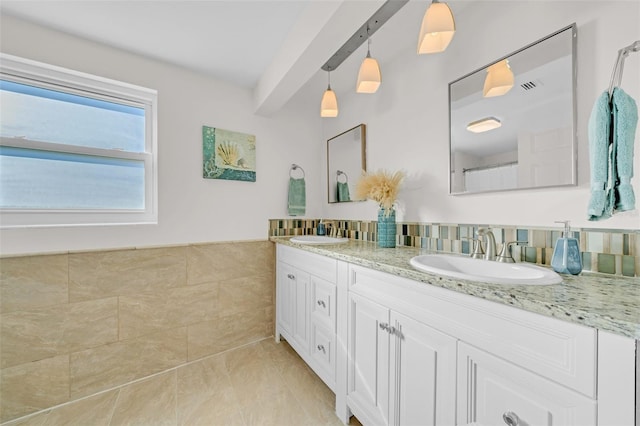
(297, 201)
(625, 120)
(343, 192)
(600, 205)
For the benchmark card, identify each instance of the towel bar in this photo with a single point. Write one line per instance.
(618, 68)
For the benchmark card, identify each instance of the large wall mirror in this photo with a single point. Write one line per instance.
(512, 123)
(345, 163)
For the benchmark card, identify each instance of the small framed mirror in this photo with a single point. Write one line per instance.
(512, 123)
(345, 163)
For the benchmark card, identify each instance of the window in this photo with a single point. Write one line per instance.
(75, 149)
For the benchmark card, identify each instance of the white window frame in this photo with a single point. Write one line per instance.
(25, 71)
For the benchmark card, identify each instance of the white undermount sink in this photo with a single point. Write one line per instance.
(471, 269)
(318, 239)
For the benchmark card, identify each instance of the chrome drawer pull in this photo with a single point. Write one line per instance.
(291, 276)
(321, 303)
(511, 419)
(384, 326)
(321, 348)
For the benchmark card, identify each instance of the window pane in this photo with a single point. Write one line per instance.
(33, 179)
(46, 115)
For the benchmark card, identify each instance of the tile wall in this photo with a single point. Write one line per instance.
(615, 252)
(75, 324)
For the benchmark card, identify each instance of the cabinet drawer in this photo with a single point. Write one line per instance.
(323, 302)
(323, 351)
(492, 391)
(315, 264)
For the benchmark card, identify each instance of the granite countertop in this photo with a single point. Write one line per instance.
(609, 303)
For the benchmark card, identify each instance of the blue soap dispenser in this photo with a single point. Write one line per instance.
(321, 230)
(566, 257)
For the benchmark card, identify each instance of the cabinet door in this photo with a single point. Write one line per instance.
(423, 374)
(492, 391)
(368, 381)
(285, 298)
(301, 319)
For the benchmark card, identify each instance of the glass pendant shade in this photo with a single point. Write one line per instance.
(437, 30)
(499, 79)
(329, 104)
(369, 76)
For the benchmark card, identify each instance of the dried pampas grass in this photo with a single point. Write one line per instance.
(382, 187)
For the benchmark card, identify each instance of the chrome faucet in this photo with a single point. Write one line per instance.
(490, 243)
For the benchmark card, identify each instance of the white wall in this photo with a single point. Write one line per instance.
(407, 127)
(191, 209)
(407, 120)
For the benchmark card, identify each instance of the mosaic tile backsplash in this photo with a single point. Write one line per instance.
(615, 252)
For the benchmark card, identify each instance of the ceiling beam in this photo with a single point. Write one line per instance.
(318, 34)
(373, 24)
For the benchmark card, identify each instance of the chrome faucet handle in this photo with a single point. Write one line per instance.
(505, 254)
(478, 251)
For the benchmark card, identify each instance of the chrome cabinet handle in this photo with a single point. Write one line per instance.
(511, 418)
(291, 276)
(391, 330)
(321, 348)
(321, 303)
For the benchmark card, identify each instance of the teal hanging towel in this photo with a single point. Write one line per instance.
(599, 157)
(297, 197)
(625, 120)
(343, 192)
(297, 201)
(612, 129)
(342, 188)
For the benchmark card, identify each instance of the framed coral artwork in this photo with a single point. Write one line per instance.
(228, 155)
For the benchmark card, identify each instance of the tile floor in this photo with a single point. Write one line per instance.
(264, 383)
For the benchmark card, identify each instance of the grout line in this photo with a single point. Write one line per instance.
(175, 396)
(115, 404)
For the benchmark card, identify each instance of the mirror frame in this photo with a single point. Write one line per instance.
(363, 160)
(574, 147)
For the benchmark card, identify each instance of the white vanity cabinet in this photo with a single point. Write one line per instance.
(306, 308)
(400, 352)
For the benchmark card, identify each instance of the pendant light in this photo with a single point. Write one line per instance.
(329, 104)
(437, 30)
(499, 79)
(369, 75)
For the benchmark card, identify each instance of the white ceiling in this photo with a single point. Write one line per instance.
(230, 40)
(273, 47)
